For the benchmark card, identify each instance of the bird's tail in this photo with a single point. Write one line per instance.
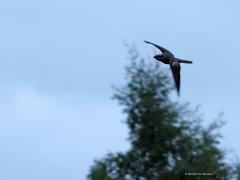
(185, 61)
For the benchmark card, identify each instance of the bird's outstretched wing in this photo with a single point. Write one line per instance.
(166, 52)
(176, 68)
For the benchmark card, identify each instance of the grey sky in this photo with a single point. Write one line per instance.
(58, 60)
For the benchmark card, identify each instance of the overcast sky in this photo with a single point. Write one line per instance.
(59, 58)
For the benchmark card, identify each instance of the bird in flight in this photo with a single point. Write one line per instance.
(167, 57)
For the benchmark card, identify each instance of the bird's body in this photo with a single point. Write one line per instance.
(168, 58)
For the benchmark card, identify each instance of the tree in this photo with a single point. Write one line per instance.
(99, 171)
(168, 139)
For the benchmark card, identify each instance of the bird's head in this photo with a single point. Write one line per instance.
(159, 57)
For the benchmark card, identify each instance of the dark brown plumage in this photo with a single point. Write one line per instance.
(168, 58)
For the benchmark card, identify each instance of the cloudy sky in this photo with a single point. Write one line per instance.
(58, 60)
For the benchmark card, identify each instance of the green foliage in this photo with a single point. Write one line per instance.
(99, 172)
(168, 139)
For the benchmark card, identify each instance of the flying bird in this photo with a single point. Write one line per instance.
(167, 57)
